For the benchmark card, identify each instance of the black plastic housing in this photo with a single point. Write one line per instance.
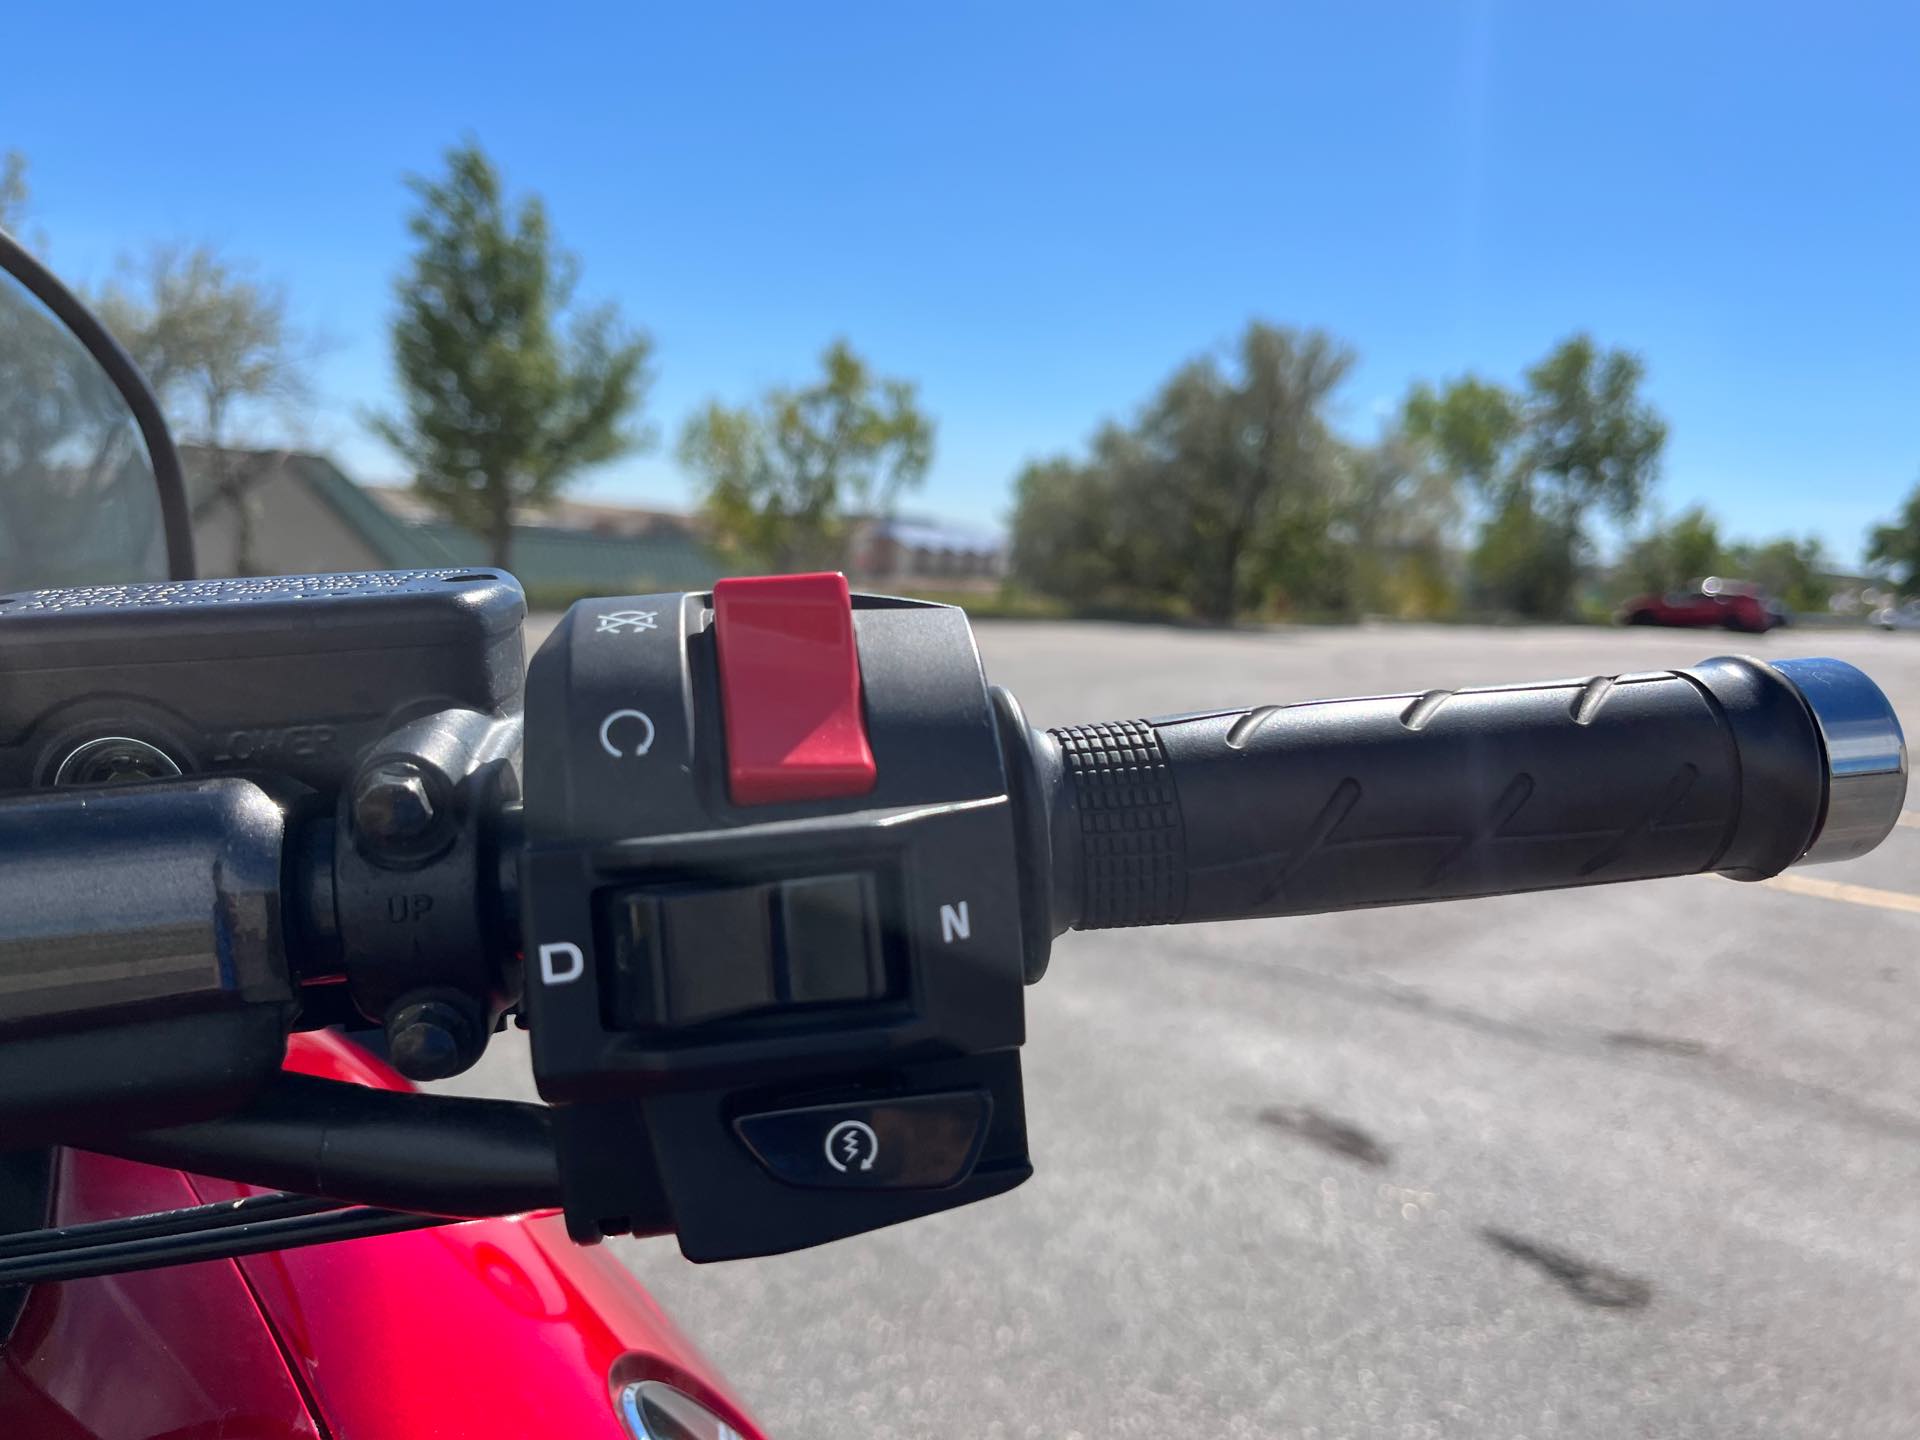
(430, 919)
(292, 675)
(603, 823)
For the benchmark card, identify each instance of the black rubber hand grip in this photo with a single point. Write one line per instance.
(1285, 810)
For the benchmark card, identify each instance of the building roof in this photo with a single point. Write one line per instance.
(550, 561)
(399, 546)
(598, 517)
(391, 541)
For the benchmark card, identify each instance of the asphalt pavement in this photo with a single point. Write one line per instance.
(1633, 1160)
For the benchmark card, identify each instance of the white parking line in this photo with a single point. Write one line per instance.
(1840, 890)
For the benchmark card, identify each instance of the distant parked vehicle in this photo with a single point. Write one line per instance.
(1712, 602)
(1898, 617)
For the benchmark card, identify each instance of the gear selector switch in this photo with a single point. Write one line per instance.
(828, 939)
(684, 957)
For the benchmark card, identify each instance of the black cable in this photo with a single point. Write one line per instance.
(192, 1219)
(222, 1242)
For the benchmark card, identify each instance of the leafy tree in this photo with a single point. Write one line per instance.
(1471, 424)
(1526, 560)
(1215, 500)
(783, 481)
(1064, 540)
(1591, 441)
(1397, 512)
(501, 412)
(1235, 451)
(1686, 548)
(1790, 570)
(16, 202)
(13, 189)
(1895, 546)
(1578, 439)
(211, 339)
(1690, 547)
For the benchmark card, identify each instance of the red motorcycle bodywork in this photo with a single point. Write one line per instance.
(489, 1330)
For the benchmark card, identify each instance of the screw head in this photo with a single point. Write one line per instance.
(432, 1039)
(392, 806)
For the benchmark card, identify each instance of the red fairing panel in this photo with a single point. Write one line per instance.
(491, 1330)
(181, 1353)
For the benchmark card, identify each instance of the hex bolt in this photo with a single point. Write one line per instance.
(392, 807)
(432, 1036)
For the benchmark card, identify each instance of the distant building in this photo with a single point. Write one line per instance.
(266, 512)
(283, 512)
(628, 522)
(279, 512)
(923, 554)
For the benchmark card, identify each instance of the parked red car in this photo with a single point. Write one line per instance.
(1725, 604)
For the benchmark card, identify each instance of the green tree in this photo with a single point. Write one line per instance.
(1471, 425)
(1791, 570)
(1064, 543)
(1686, 548)
(1577, 439)
(1398, 511)
(1525, 561)
(16, 202)
(1895, 547)
(783, 481)
(13, 190)
(211, 339)
(1216, 500)
(501, 411)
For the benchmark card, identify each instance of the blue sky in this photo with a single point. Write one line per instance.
(1037, 210)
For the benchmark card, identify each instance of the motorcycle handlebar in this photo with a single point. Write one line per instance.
(1733, 766)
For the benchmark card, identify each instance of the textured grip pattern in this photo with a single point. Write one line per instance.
(1293, 809)
(1132, 852)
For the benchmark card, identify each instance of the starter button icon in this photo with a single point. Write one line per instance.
(852, 1145)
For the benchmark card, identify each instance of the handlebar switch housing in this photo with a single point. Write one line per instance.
(773, 1003)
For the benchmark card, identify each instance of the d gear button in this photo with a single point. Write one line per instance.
(916, 1142)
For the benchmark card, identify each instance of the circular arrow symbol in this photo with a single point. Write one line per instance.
(852, 1142)
(606, 735)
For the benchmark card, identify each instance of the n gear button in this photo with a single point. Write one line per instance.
(829, 939)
